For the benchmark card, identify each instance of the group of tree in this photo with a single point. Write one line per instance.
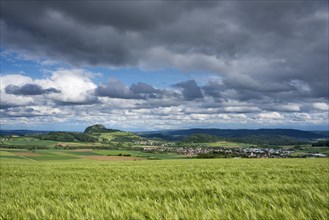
(201, 138)
(321, 143)
(67, 137)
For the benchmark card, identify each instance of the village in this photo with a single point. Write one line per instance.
(230, 152)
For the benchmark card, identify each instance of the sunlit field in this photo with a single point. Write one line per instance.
(164, 189)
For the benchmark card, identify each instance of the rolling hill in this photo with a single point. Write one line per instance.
(259, 136)
(106, 135)
(99, 133)
(99, 128)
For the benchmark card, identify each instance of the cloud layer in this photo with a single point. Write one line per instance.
(268, 60)
(116, 104)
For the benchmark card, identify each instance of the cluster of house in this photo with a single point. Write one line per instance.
(231, 152)
(154, 143)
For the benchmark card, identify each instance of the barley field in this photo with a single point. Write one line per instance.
(165, 189)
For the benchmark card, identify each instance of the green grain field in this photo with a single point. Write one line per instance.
(165, 189)
(25, 141)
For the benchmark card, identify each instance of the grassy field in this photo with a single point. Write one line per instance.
(228, 144)
(125, 139)
(164, 189)
(119, 136)
(24, 141)
(155, 155)
(55, 154)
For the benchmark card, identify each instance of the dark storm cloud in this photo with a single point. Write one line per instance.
(29, 89)
(22, 112)
(141, 87)
(145, 90)
(190, 90)
(116, 89)
(4, 105)
(110, 33)
(213, 89)
(269, 50)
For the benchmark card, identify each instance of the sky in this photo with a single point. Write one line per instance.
(154, 65)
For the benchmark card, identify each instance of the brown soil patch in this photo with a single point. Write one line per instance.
(112, 158)
(27, 154)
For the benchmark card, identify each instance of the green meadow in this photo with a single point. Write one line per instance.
(24, 141)
(228, 144)
(82, 188)
(84, 154)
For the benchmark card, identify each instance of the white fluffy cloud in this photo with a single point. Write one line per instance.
(321, 106)
(270, 115)
(75, 85)
(77, 101)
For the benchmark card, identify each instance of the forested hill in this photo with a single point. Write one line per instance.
(22, 132)
(98, 133)
(98, 128)
(291, 134)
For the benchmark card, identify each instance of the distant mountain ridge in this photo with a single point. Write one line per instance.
(21, 132)
(258, 137)
(236, 133)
